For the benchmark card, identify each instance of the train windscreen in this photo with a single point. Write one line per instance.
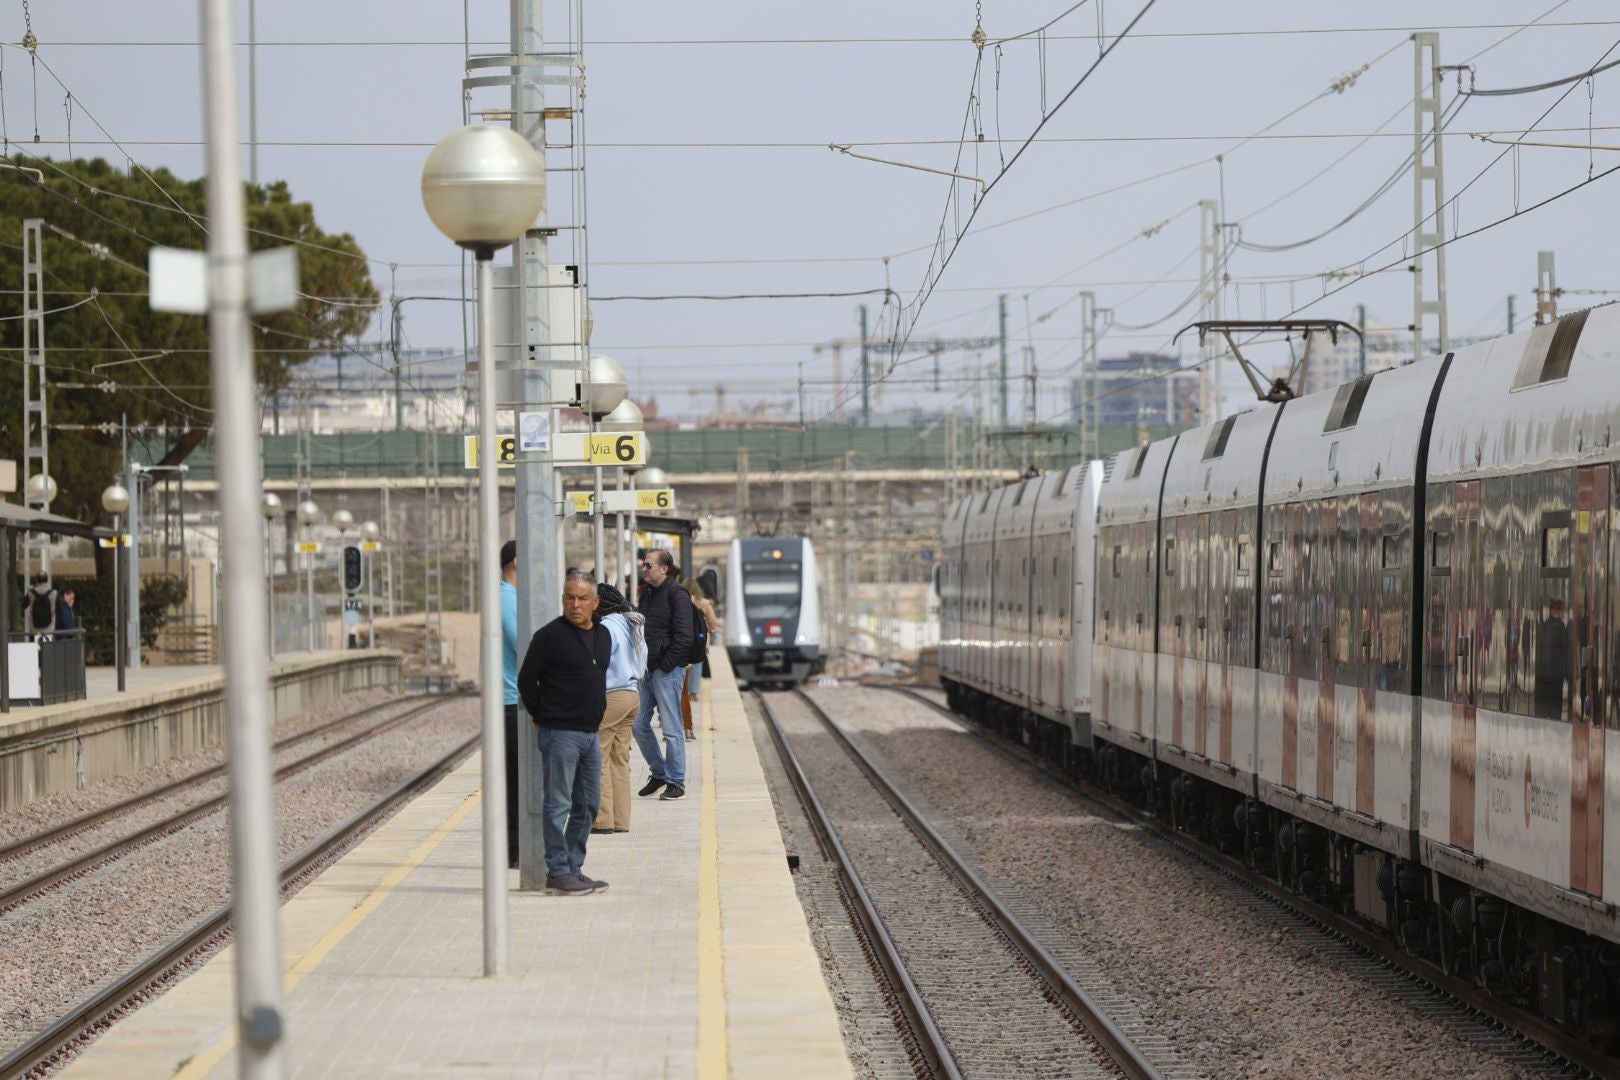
(771, 590)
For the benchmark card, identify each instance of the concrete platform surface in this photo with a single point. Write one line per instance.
(696, 962)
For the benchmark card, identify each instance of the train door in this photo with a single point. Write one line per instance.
(1465, 585)
(1590, 623)
(1379, 555)
(1199, 583)
(1325, 587)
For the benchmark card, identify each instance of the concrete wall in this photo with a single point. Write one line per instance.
(66, 747)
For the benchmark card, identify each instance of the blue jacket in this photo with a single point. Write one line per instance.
(629, 654)
(509, 662)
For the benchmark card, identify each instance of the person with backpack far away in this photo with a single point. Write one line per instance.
(39, 607)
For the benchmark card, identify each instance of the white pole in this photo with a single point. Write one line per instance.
(601, 527)
(256, 896)
(492, 689)
(309, 589)
(270, 603)
(371, 600)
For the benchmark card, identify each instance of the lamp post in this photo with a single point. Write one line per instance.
(115, 500)
(604, 392)
(41, 489)
(649, 477)
(308, 515)
(626, 416)
(343, 520)
(270, 509)
(369, 533)
(483, 187)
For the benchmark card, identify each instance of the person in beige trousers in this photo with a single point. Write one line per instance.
(624, 674)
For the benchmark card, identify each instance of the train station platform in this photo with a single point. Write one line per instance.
(695, 962)
(164, 712)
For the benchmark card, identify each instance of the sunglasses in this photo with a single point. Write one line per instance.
(648, 565)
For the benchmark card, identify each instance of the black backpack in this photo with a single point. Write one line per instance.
(700, 635)
(42, 610)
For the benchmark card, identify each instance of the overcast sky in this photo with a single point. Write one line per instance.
(684, 198)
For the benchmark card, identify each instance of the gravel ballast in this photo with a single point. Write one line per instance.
(1236, 993)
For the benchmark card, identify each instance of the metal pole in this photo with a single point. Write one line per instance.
(1003, 367)
(270, 581)
(492, 689)
(631, 547)
(371, 600)
(1361, 338)
(309, 593)
(1510, 313)
(120, 601)
(601, 525)
(253, 95)
(256, 897)
(866, 374)
(538, 525)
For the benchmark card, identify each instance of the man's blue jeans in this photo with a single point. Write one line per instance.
(571, 770)
(662, 690)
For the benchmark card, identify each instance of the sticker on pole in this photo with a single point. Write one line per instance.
(534, 432)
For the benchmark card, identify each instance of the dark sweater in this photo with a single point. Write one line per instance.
(563, 680)
(668, 611)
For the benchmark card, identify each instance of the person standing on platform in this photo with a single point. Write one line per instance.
(668, 611)
(705, 625)
(563, 683)
(67, 611)
(624, 675)
(509, 669)
(699, 640)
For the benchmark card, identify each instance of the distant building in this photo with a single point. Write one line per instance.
(1141, 387)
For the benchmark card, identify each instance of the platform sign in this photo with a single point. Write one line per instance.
(351, 603)
(622, 502)
(569, 449)
(120, 541)
(309, 547)
(371, 547)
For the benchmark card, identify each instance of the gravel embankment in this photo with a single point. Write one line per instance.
(1236, 993)
(989, 1008)
(61, 945)
(68, 807)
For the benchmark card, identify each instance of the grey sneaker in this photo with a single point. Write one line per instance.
(674, 791)
(570, 885)
(599, 886)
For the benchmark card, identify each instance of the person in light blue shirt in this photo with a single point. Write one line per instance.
(509, 668)
(626, 668)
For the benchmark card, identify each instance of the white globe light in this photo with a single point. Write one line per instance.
(343, 520)
(483, 186)
(607, 387)
(370, 530)
(269, 505)
(41, 486)
(115, 499)
(652, 477)
(308, 512)
(625, 416)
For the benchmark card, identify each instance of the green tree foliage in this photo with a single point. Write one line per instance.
(116, 218)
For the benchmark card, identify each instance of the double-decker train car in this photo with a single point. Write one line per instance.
(773, 611)
(1363, 638)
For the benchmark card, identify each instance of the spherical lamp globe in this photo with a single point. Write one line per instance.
(607, 387)
(269, 505)
(370, 530)
(308, 512)
(115, 499)
(343, 520)
(41, 486)
(652, 477)
(483, 186)
(625, 416)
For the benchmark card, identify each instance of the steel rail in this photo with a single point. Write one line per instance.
(96, 817)
(925, 1034)
(115, 849)
(101, 1009)
(1125, 1054)
(1525, 1025)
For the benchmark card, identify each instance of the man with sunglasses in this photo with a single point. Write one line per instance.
(667, 609)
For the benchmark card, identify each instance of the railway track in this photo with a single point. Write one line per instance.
(95, 1013)
(1475, 1017)
(929, 938)
(34, 885)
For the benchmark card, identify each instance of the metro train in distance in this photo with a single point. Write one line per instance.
(1364, 639)
(773, 612)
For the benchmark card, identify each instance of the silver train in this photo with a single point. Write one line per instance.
(773, 611)
(1363, 638)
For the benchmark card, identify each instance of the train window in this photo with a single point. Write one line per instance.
(1566, 332)
(1390, 552)
(1555, 546)
(1274, 556)
(1218, 438)
(1347, 402)
(1136, 465)
(1170, 558)
(1118, 549)
(1243, 554)
(1440, 551)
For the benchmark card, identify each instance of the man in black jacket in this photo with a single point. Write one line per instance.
(667, 609)
(563, 683)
